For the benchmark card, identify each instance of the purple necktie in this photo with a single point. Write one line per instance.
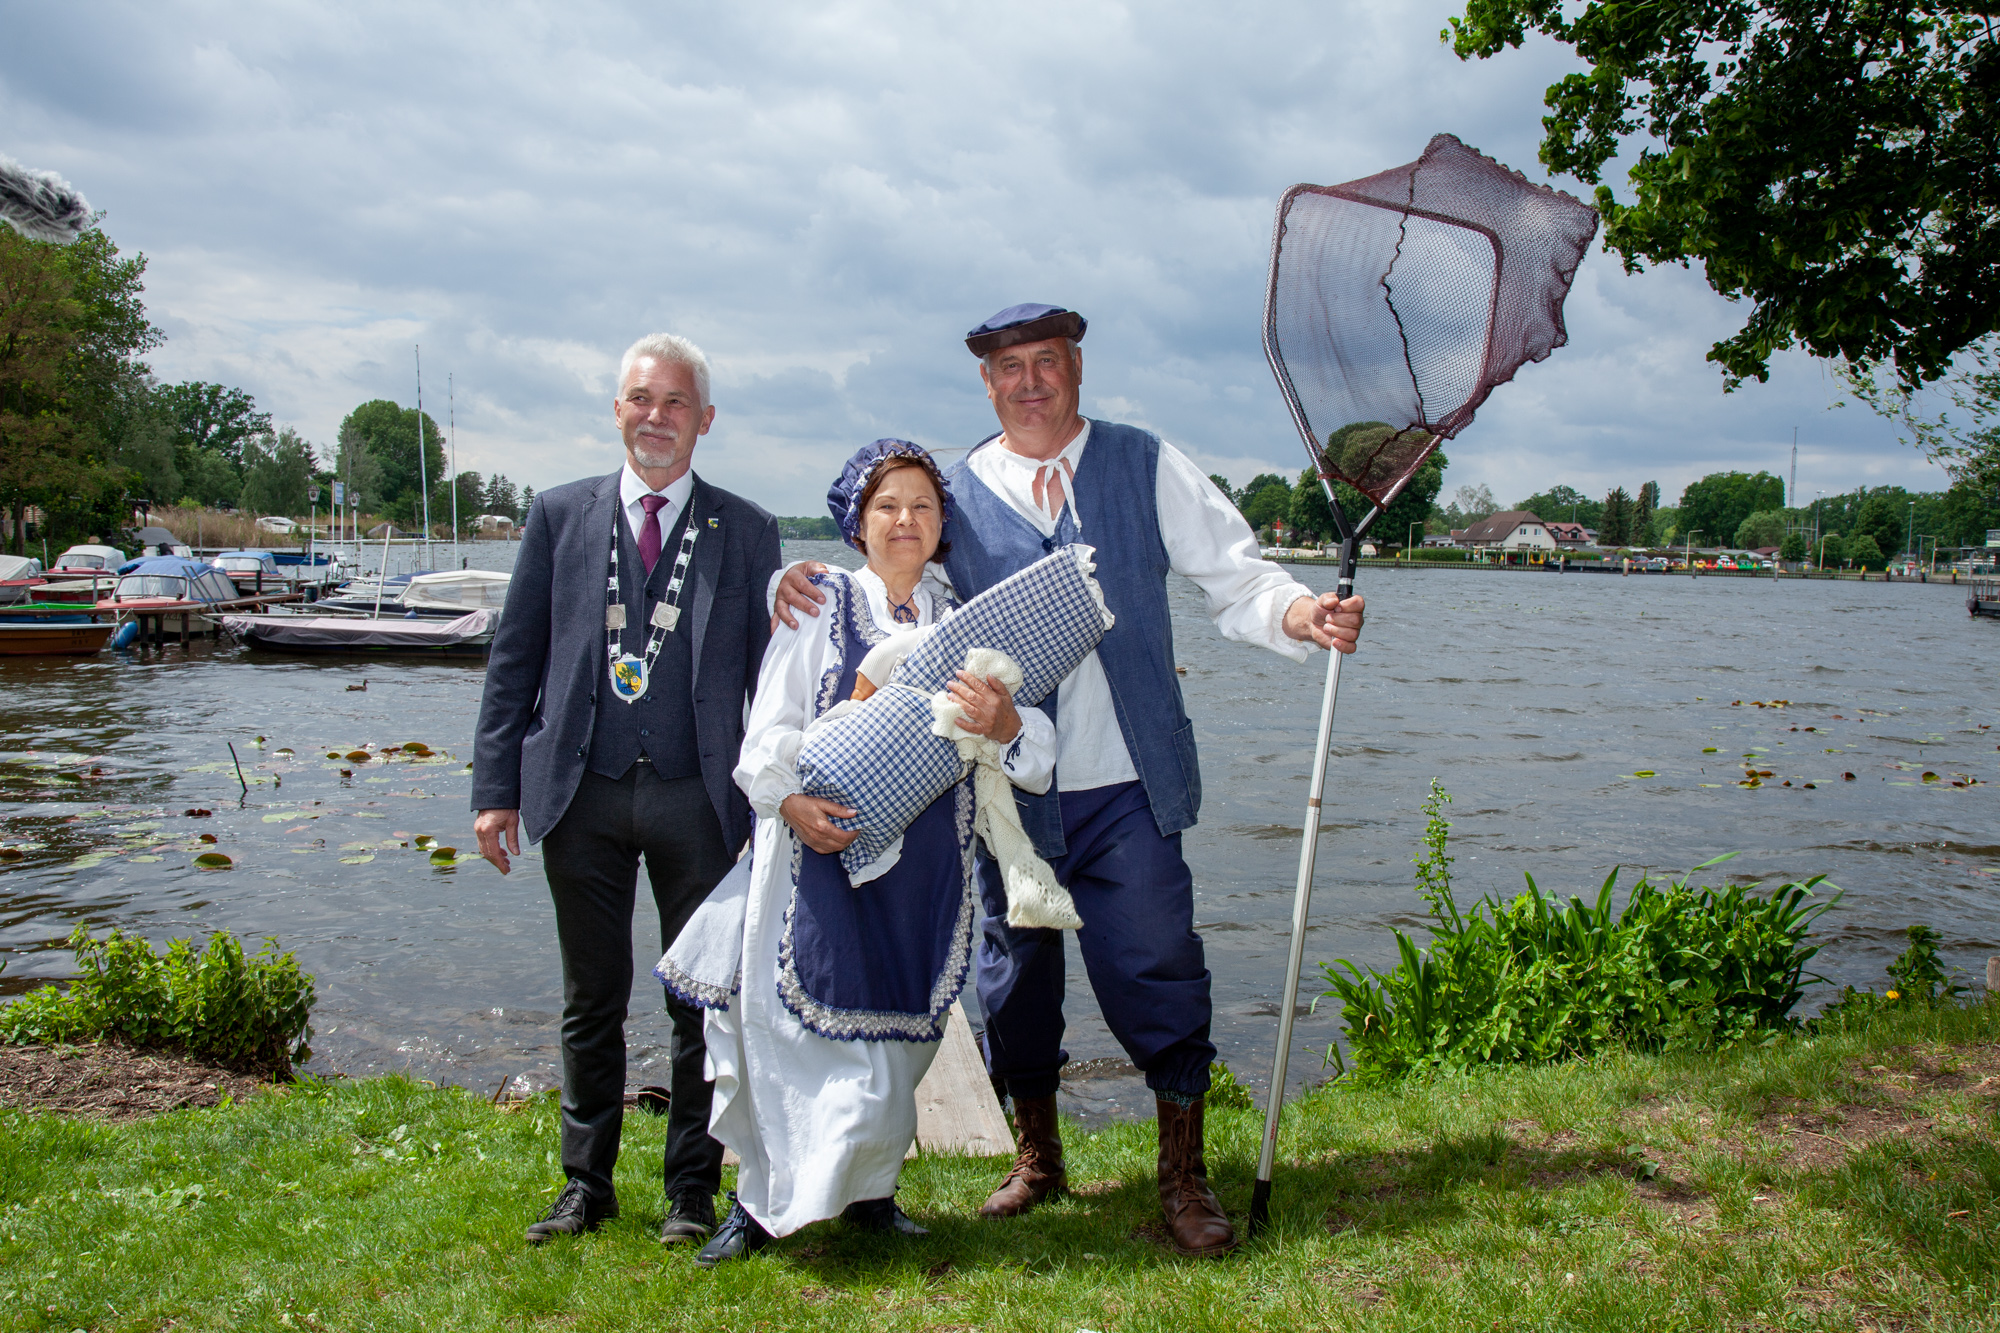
(649, 531)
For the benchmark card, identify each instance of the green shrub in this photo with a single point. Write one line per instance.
(1535, 980)
(1917, 977)
(1225, 1092)
(1444, 553)
(218, 1003)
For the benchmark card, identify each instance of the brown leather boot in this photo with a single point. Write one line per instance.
(1199, 1226)
(1038, 1169)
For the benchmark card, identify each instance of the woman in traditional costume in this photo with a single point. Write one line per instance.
(843, 983)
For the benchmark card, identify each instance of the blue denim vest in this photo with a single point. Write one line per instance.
(1116, 489)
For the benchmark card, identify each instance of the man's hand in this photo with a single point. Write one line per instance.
(1326, 620)
(795, 591)
(988, 706)
(811, 818)
(499, 832)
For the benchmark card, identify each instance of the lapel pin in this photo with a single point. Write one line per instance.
(715, 522)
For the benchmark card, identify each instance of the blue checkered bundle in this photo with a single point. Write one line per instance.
(882, 758)
(1048, 618)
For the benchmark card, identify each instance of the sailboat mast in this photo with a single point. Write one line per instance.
(451, 419)
(423, 458)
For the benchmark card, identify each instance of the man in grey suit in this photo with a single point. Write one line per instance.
(611, 721)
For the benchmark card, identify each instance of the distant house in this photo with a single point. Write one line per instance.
(1445, 539)
(1572, 534)
(494, 525)
(1514, 530)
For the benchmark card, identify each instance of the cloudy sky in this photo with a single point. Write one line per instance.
(826, 196)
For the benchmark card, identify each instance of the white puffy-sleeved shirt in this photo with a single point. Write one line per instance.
(796, 662)
(1206, 538)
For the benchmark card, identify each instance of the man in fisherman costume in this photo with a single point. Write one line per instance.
(1126, 781)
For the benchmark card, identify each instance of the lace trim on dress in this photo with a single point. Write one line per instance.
(689, 990)
(844, 601)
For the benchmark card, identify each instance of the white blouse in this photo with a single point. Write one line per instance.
(795, 663)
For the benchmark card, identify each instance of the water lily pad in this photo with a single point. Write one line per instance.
(1644, 773)
(416, 747)
(213, 861)
(1930, 776)
(362, 859)
(1708, 749)
(279, 818)
(285, 750)
(444, 856)
(207, 837)
(10, 853)
(148, 858)
(1847, 777)
(426, 840)
(333, 754)
(357, 756)
(197, 814)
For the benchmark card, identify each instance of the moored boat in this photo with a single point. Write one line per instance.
(469, 635)
(28, 638)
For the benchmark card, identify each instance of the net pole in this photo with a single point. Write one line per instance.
(1260, 1195)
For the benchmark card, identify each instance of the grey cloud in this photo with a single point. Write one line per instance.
(825, 197)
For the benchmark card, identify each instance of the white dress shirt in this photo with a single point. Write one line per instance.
(631, 490)
(1206, 538)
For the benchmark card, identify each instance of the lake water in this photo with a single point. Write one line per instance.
(1537, 700)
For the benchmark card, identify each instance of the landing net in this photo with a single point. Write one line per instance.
(1397, 302)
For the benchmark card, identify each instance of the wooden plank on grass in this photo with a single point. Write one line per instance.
(956, 1110)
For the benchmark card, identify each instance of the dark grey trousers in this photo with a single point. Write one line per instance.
(592, 861)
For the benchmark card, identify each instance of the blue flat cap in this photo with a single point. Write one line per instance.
(1025, 324)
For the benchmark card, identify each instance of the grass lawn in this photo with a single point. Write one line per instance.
(1845, 1182)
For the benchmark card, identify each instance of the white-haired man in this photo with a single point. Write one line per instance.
(611, 722)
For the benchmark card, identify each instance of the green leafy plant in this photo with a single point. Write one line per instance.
(1224, 1092)
(219, 1003)
(1917, 977)
(1534, 979)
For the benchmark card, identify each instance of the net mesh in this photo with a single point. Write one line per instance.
(1397, 303)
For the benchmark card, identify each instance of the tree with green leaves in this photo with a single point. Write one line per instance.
(1714, 507)
(388, 432)
(502, 498)
(1643, 508)
(1614, 522)
(1564, 504)
(1266, 500)
(1793, 548)
(1764, 528)
(212, 417)
(1863, 553)
(1964, 438)
(277, 472)
(72, 329)
(1832, 162)
(1468, 505)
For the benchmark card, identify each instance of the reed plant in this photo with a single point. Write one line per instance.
(1534, 979)
(219, 1003)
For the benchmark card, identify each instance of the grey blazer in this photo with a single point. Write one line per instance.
(547, 663)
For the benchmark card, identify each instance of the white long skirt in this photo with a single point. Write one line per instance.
(816, 1123)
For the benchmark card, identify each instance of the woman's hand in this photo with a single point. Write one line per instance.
(989, 708)
(811, 817)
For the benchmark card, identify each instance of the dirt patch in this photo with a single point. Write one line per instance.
(108, 1081)
(1823, 1140)
(1091, 1189)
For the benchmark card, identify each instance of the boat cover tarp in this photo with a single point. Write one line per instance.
(350, 631)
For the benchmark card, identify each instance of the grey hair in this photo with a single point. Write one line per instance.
(672, 349)
(987, 360)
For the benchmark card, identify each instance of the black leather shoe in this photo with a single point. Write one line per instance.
(571, 1214)
(881, 1215)
(739, 1235)
(690, 1219)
